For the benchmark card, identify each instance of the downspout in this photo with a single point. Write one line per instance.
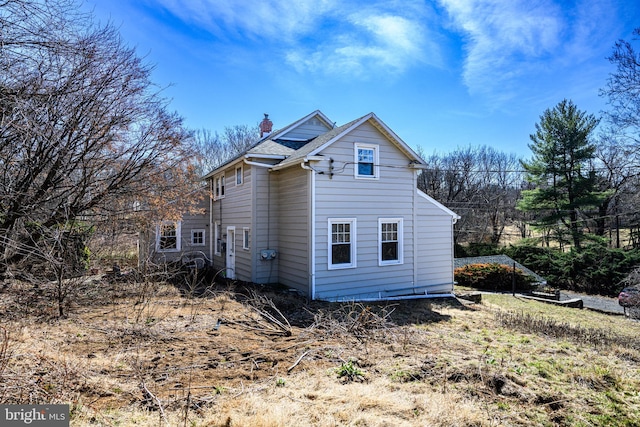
(212, 242)
(416, 258)
(453, 251)
(313, 229)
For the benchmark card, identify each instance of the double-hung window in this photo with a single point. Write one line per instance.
(342, 243)
(239, 175)
(390, 241)
(366, 161)
(245, 238)
(219, 187)
(168, 236)
(217, 238)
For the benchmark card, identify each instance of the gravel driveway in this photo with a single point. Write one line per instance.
(595, 302)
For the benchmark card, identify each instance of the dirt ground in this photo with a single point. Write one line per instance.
(129, 353)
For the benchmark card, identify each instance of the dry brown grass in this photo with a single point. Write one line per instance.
(144, 354)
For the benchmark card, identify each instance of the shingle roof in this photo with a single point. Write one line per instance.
(315, 143)
(270, 147)
(295, 151)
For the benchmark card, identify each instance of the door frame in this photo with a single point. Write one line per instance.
(230, 265)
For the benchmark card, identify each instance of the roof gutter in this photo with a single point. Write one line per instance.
(262, 165)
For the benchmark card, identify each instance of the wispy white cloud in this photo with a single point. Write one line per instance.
(369, 43)
(323, 36)
(503, 37)
(261, 19)
(509, 41)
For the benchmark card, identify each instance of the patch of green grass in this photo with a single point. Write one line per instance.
(349, 371)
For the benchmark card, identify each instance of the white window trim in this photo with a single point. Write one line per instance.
(352, 222)
(216, 238)
(400, 259)
(376, 158)
(219, 187)
(204, 236)
(241, 169)
(246, 236)
(178, 247)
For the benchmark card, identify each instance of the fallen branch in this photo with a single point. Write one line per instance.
(149, 395)
(290, 368)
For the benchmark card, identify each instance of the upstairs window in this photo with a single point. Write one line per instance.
(366, 160)
(342, 243)
(239, 175)
(168, 237)
(219, 187)
(390, 241)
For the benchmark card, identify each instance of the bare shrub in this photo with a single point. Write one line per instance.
(531, 323)
(353, 318)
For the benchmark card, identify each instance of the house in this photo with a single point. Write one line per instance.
(333, 212)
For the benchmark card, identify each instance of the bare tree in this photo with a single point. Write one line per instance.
(481, 184)
(83, 132)
(618, 152)
(623, 91)
(213, 149)
(498, 189)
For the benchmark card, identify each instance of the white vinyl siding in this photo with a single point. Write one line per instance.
(342, 195)
(341, 248)
(294, 236)
(308, 130)
(435, 246)
(264, 225)
(232, 209)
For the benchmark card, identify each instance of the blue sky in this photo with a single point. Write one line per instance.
(443, 74)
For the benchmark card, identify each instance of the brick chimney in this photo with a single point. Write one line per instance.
(265, 126)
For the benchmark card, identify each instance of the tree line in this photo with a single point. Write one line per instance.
(581, 184)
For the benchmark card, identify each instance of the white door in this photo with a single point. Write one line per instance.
(231, 253)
